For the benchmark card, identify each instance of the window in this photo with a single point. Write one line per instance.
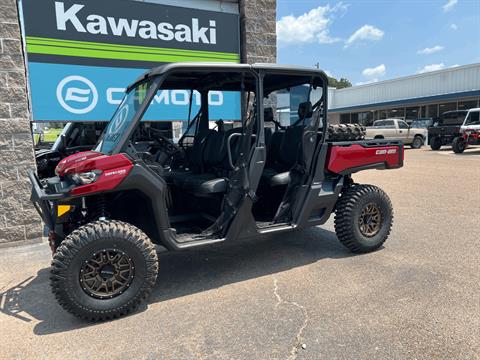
(402, 125)
(396, 113)
(384, 124)
(432, 111)
(382, 114)
(389, 124)
(354, 118)
(423, 112)
(465, 105)
(412, 113)
(365, 118)
(344, 118)
(473, 118)
(447, 107)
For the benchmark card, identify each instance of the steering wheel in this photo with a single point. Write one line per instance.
(166, 144)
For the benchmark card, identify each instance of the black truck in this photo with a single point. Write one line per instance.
(446, 128)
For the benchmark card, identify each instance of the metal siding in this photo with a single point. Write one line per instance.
(454, 80)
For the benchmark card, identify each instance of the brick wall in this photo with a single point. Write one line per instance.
(258, 31)
(19, 223)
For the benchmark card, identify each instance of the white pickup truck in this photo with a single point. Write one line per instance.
(397, 129)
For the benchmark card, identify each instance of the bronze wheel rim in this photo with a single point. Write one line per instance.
(107, 274)
(370, 220)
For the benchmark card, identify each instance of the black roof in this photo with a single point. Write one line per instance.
(185, 80)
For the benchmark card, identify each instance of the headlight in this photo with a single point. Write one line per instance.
(86, 177)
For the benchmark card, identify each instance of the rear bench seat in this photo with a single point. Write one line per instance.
(283, 149)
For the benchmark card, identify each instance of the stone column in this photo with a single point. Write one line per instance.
(258, 31)
(19, 222)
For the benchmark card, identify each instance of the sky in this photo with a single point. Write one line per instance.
(374, 40)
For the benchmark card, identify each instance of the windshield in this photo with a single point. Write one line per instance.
(123, 117)
(452, 118)
(473, 118)
(419, 124)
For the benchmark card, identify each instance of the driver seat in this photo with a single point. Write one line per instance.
(207, 155)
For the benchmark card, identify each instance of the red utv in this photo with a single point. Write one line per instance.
(469, 132)
(111, 209)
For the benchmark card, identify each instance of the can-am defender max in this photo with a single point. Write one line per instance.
(280, 170)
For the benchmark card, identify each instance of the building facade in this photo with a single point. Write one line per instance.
(19, 222)
(418, 96)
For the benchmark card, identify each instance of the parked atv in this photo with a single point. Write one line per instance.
(111, 209)
(469, 132)
(75, 137)
(446, 128)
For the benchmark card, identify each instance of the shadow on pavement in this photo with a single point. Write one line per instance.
(469, 151)
(182, 274)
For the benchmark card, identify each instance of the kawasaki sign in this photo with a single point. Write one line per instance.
(82, 54)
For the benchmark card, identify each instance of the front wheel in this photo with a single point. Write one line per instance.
(459, 145)
(417, 142)
(363, 218)
(103, 270)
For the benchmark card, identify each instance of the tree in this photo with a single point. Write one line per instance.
(339, 84)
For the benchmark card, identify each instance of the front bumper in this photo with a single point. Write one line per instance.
(44, 203)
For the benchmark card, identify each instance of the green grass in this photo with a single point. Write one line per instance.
(51, 135)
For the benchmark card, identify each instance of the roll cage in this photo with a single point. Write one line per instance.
(188, 76)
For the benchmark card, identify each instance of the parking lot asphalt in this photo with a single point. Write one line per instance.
(300, 295)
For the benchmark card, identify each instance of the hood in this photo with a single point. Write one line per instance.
(78, 162)
(92, 160)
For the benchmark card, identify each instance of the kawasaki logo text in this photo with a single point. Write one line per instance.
(96, 24)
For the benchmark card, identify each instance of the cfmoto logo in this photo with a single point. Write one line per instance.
(77, 94)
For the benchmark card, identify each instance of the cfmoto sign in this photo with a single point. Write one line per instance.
(77, 94)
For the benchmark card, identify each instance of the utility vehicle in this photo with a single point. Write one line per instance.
(110, 210)
(446, 128)
(469, 132)
(75, 137)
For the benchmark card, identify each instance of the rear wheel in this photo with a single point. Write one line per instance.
(458, 145)
(417, 142)
(363, 218)
(435, 143)
(103, 270)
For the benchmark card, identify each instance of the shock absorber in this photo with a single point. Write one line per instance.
(101, 212)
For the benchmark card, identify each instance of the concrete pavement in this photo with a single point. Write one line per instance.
(416, 298)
